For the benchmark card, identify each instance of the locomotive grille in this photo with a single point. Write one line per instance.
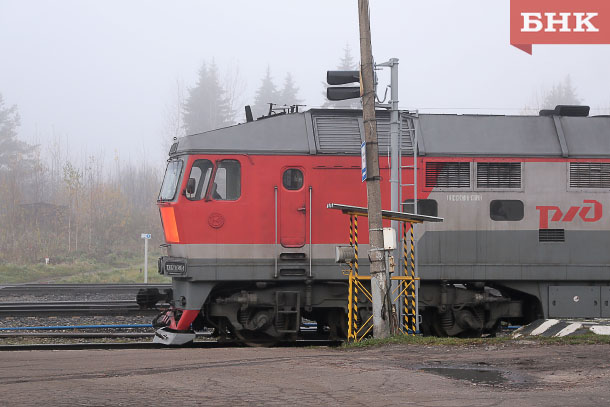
(498, 175)
(589, 175)
(551, 235)
(448, 174)
(340, 134)
(406, 135)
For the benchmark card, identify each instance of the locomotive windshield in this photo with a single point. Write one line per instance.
(170, 181)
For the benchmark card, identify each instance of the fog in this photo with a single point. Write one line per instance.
(100, 75)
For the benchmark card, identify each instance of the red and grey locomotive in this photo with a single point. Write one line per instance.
(251, 245)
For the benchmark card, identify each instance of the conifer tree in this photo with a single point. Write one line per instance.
(562, 93)
(289, 93)
(266, 93)
(207, 107)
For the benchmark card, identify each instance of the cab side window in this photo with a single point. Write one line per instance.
(292, 179)
(198, 180)
(227, 182)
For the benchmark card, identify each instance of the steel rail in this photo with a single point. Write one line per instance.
(55, 288)
(119, 307)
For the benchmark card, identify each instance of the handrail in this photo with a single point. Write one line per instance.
(275, 254)
(310, 231)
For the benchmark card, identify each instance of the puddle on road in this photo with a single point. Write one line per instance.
(478, 376)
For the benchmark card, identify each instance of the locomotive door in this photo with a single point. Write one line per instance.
(293, 208)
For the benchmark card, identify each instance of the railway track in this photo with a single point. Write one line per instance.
(73, 308)
(72, 340)
(49, 289)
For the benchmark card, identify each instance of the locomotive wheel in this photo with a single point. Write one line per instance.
(256, 339)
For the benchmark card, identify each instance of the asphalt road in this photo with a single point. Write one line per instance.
(520, 374)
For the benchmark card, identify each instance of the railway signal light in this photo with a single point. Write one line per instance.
(342, 78)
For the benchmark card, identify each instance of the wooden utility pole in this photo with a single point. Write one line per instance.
(379, 285)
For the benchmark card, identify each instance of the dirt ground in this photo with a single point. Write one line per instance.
(517, 373)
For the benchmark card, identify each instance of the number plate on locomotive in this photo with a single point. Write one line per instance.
(173, 268)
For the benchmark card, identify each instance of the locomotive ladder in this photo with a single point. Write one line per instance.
(407, 191)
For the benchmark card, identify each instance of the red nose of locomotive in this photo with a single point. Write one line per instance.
(168, 218)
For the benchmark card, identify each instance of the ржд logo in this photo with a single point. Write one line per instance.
(582, 211)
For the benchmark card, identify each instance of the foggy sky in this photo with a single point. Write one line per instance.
(101, 73)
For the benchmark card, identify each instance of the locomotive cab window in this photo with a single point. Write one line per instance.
(292, 179)
(506, 210)
(227, 181)
(170, 180)
(199, 178)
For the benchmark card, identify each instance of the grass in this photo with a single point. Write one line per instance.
(581, 339)
(81, 268)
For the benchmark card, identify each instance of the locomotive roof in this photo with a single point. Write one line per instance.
(341, 131)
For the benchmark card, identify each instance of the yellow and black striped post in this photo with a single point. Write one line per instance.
(405, 257)
(355, 284)
(412, 283)
(350, 298)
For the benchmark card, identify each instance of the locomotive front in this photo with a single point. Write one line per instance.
(199, 193)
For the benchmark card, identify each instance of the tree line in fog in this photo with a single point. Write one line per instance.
(217, 100)
(62, 207)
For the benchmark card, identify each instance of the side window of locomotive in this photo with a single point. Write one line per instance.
(227, 182)
(428, 207)
(170, 180)
(506, 210)
(198, 180)
(292, 179)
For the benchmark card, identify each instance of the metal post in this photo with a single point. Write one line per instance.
(145, 261)
(416, 210)
(394, 143)
(395, 160)
(381, 319)
(146, 237)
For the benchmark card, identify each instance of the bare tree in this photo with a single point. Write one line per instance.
(173, 126)
(234, 85)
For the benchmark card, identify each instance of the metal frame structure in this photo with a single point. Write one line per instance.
(405, 289)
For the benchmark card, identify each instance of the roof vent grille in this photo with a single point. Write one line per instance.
(589, 175)
(448, 174)
(498, 175)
